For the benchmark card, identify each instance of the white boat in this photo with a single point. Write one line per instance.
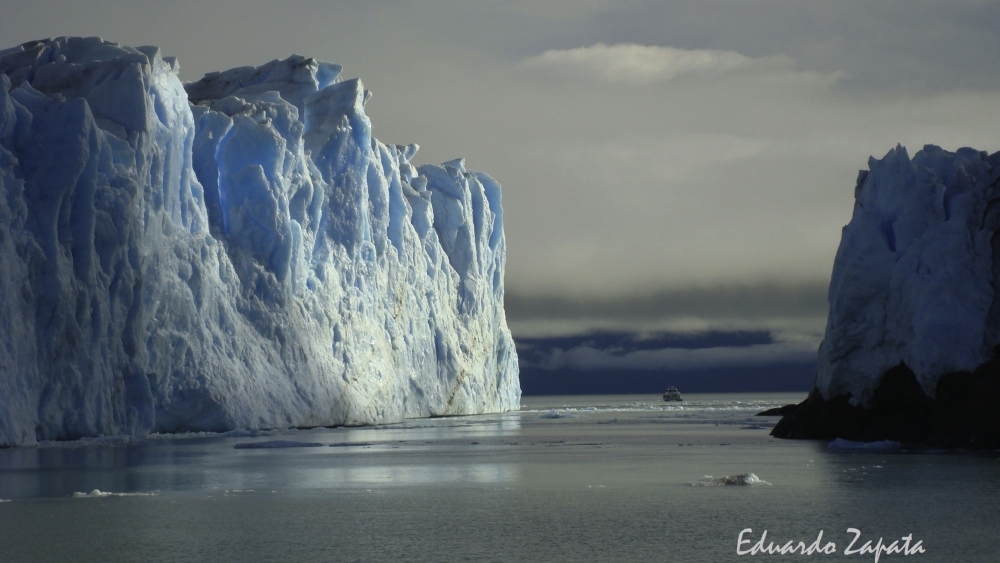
(672, 394)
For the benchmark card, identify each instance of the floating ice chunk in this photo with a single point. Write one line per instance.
(557, 414)
(97, 493)
(841, 444)
(271, 444)
(111, 441)
(242, 433)
(350, 444)
(743, 479)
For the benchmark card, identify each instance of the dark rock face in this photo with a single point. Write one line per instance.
(964, 414)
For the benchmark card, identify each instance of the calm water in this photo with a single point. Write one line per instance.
(593, 478)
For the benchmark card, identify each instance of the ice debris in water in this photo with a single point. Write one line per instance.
(242, 433)
(272, 444)
(743, 479)
(841, 444)
(239, 254)
(351, 444)
(557, 414)
(97, 493)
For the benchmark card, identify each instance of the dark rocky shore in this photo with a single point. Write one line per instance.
(965, 412)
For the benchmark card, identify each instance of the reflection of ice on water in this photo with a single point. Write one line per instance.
(479, 473)
(432, 429)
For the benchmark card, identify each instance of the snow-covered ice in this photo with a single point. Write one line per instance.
(914, 280)
(251, 258)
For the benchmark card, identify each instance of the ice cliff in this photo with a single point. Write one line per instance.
(237, 252)
(913, 281)
(914, 311)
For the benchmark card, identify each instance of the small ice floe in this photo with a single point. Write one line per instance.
(744, 479)
(350, 444)
(276, 444)
(756, 427)
(557, 414)
(2, 500)
(243, 433)
(841, 444)
(97, 493)
(89, 441)
(612, 421)
(235, 433)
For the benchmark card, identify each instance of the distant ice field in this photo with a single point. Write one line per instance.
(577, 478)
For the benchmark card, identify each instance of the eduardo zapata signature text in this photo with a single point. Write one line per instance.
(903, 545)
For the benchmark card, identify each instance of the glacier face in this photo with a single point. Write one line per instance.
(237, 252)
(915, 278)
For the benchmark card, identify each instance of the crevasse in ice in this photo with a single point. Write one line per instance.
(239, 254)
(915, 278)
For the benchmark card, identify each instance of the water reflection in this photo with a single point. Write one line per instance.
(429, 474)
(412, 452)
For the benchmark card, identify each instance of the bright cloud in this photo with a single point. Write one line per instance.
(630, 62)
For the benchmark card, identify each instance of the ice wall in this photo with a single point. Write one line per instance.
(915, 278)
(251, 258)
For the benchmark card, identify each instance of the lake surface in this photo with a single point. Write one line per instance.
(580, 478)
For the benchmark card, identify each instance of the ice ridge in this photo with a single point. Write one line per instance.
(236, 252)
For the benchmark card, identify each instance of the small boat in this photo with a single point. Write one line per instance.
(672, 394)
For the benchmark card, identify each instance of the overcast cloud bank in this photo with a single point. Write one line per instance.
(646, 148)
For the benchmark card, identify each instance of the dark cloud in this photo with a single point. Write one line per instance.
(629, 362)
(778, 377)
(733, 302)
(619, 343)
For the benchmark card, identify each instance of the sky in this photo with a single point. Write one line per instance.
(667, 167)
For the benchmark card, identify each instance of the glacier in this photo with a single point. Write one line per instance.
(913, 281)
(911, 345)
(235, 252)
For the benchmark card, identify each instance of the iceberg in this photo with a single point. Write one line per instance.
(234, 253)
(911, 346)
